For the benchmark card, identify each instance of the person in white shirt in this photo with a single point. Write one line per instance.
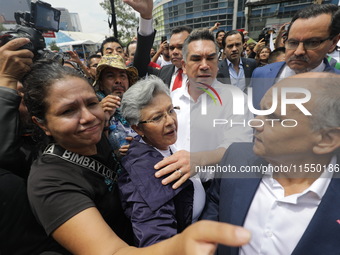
(200, 118)
(285, 186)
(162, 56)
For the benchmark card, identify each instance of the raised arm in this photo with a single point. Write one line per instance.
(14, 64)
(87, 233)
(159, 51)
(146, 36)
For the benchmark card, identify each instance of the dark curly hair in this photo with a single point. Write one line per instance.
(38, 81)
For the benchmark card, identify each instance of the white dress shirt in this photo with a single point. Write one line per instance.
(237, 79)
(145, 26)
(162, 62)
(196, 131)
(287, 71)
(199, 192)
(173, 77)
(278, 221)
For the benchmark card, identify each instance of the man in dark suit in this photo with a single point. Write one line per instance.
(167, 73)
(313, 32)
(284, 188)
(145, 39)
(234, 69)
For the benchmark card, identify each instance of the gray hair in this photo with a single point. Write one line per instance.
(139, 96)
(326, 113)
(198, 35)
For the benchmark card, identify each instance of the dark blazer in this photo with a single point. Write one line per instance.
(223, 75)
(165, 73)
(142, 60)
(156, 212)
(229, 199)
(264, 78)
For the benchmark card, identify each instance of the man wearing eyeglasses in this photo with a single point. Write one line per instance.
(313, 32)
(276, 190)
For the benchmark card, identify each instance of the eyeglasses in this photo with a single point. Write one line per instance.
(309, 44)
(159, 118)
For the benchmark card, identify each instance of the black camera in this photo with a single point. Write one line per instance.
(265, 34)
(31, 25)
(163, 38)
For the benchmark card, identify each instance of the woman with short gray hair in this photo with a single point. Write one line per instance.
(140, 96)
(157, 212)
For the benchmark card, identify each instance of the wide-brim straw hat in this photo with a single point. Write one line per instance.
(116, 61)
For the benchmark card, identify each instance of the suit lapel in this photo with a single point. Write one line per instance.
(169, 75)
(247, 71)
(223, 72)
(325, 224)
(166, 73)
(246, 68)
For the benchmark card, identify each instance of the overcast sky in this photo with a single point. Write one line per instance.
(92, 16)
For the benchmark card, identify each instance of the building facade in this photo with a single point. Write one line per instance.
(75, 20)
(65, 20)
(251, 15)
(8, 8)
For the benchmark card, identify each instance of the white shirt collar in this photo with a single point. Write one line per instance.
(229, 63)
(176, 70)
(287, 71)
(318, 187)
(184, 90)
(166, 153)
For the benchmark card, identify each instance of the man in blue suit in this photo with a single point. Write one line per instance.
(234, 69)
(313, 32)
(285, 187)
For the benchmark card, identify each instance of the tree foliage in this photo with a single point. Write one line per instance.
(127, 21)
(53, 46)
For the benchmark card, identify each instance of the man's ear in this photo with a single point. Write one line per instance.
(335, 40)
(41, 124)
(183, 67)
(138, 130)
(330, 141)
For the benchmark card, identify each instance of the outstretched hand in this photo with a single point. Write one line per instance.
(74, 57)
(202, 237)
(144, 7)
(178, 164)
(259, 45)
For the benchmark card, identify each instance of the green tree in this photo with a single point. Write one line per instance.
(127, 21)
(53, 46)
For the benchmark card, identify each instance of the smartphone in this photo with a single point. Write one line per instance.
(66, 56)
(163, 38)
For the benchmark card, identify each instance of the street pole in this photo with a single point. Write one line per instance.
(113, 22)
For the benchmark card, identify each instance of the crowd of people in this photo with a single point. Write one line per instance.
(207, 99)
